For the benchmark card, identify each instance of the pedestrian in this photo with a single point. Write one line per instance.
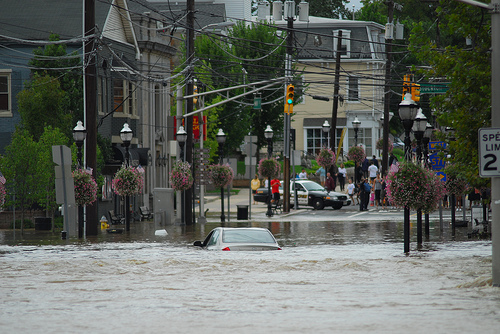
(372, 171)
(383, 198)
(275, 189)
(350, 191)
(361, 195)
(322, 175)
(255, 184)
(329, 182)
(364, 167)
(377, 186)
(367, 191)
(303, 174)
(375, 162)
(342, 172)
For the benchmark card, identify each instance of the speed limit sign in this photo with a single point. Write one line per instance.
(489, 152)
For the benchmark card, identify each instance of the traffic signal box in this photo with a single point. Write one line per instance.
(195, 91)
(415, 92)
(290, 90)
(411, 87)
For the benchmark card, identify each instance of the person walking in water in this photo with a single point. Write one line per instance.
(255, 184)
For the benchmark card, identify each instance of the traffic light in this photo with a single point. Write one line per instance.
(289, 99)
(415, 92)
(406, 85)
(195, 91)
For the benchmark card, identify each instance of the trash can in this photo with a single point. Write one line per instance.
(43, 223)
(242, 213)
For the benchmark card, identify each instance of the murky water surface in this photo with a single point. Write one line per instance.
(329, 278)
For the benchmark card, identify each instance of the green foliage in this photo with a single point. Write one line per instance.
(41, 104)
(53, 60)
(466, 105)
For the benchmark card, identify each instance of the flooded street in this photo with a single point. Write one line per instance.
(329, 278)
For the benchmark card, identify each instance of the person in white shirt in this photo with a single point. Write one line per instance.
(303, 174)
(373, 170)
(341, 173)
(350, 191)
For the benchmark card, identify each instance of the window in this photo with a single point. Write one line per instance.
(124, 97)
(353, 89)
(5, 92)
(345, 48)
(316, 139)
(364, 137)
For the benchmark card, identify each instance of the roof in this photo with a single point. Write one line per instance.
(37, 19)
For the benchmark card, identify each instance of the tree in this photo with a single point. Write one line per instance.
(41, 104)
(466, 105)
(54, 60)
(19, 166)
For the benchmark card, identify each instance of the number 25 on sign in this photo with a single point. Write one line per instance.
(489, 152)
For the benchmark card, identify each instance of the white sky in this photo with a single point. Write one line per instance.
(357, 4)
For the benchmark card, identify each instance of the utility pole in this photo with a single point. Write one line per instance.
(189, 104)
(335, 107)
(387, 93)
(90, 108)
(289, 17)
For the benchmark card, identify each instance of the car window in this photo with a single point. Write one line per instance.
(213, 239)
(247, 236)
(312, 186)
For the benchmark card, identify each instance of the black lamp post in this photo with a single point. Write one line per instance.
(181, 137)
(326, 132)
(221, 139)
(419, 126)
(407, 112)
(79, 135)
(268, 134)
(355, 124)
(126, 137)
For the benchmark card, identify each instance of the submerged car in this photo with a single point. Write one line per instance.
(239, 239)
(309, 193)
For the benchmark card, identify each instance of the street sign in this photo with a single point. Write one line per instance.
(257, 102)
(433, 88)
(434, 145)
(436, 162)
(442, 176)
(489, 152)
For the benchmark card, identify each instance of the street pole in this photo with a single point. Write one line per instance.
(91, 109)
(387, 93)
(188, 214)
(287, 116)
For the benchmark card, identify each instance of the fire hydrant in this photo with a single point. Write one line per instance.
(104, 223)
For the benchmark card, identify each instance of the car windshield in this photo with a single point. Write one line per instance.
(312, 186)
(247, 236)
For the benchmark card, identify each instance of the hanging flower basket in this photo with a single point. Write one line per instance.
(325, 158)
(85, 187)
(269, 168)
(380, 145)
(181, 177)
(415, 187)
(128, 181)
(356, 154)
(220, 175)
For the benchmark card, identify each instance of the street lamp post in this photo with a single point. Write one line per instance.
(407, 112)
(268, 134)
(79, 135)
(221, 139)
(126, 137)
(425, 142)
(355, 124)
(419, 126)
(181, 137)
(326, 131)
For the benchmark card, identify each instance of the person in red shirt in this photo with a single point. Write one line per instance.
(275, 189)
